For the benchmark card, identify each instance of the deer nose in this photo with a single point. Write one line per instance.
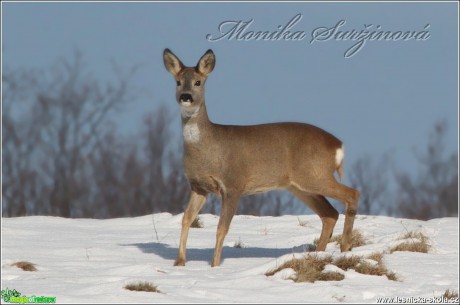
(185, 97)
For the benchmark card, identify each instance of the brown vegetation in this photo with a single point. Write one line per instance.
(311, 268)
(357, 239)
(197, 223)
(142, 286)
(450, 295)
(26, 266)
(416, 242)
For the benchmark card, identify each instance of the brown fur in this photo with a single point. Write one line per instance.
(233, 161)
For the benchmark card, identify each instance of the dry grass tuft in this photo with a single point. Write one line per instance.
(355, 262)
(392, 276)
(411, 247)
(450, 294)
(302, 223)
(347, 262)
(335, 239)
(142, 286)
(357, 239)
(414, 235)
(377, 269)
(331, 276)
(197, 223)
(310, 268)
(417, 242)
(26, 266)
(238, 244)
(376, 256)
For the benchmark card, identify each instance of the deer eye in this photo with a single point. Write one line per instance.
(197, 83)
(178, 82)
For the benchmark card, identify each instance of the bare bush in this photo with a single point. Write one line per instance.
(434, 191)
(370, 177)
(56, 125)
(62, 155)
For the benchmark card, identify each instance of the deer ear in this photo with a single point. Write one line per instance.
(172, 63)
(206, 63)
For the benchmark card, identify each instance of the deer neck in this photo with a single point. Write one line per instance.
(195, 125)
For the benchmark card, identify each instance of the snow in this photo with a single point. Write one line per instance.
(88, 260)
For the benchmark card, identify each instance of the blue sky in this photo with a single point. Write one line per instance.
(385, 98)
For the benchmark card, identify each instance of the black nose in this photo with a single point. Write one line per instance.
(185, 97)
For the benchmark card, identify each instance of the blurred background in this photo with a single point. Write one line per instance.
(90, 126)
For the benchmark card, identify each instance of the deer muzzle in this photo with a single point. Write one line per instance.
(186, 98)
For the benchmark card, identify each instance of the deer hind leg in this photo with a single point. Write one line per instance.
(229, 207)
(350, 198)
(195, 204)
(324, 210)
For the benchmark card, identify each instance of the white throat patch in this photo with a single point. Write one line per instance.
(188, 113)
(191, 133)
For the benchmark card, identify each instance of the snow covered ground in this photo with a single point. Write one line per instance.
(90, 261)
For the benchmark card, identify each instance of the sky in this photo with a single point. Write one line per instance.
(386, 97)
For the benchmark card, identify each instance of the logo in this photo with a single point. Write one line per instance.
(13, 296)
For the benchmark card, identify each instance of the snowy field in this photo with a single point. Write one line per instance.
(90, 261)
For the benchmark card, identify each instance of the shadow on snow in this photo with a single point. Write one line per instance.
(205, 254)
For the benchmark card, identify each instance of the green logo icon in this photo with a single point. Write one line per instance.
(13, 296)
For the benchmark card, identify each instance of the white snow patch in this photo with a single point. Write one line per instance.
(88, 260)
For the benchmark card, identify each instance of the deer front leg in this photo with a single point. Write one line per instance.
(229, 206)
(194, 206)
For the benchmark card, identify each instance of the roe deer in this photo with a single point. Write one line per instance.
(233, 161)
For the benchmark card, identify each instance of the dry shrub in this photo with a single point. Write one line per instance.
(26, 266)
(197, 223)
(416, 242)
(142, 286)
(357, 239)
(450, 294)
